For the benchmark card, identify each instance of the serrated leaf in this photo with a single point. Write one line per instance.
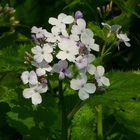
(83, 124)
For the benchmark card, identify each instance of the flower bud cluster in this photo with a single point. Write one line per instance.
(7, 15)
(66, 51)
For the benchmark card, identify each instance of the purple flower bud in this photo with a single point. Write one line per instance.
(101, 89)
(78, 15)
(33, 37)
(44, 81)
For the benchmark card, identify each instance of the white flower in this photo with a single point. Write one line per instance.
(68, 51)
(43, 65)
(54, 35)
(43, 53)
(39, 32)
(29, 77)
(34, 93)
(89, 42)
(123, 38)
(59, 23)
(80, 28)
(101, 80)
(84, 88)
(84, 63)
(40, 71)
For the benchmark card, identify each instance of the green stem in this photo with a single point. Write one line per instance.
(99, 122)
(64, 126)
(74, 110)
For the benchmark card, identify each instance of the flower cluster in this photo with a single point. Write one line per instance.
(67, 51)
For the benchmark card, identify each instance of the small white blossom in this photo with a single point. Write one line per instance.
(84, 63)
(99, 76)
(84, 88)
(80, 28)
(123, 38)
(68, 51)
(43, 65)
(29, 77)
(89, 42)
(39, 32)
(34, 93)
(43, 53)
(40, 71)
(59, 23)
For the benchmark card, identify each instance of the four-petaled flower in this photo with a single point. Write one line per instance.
(84, 88)
(62, 68)
(29, 77)
(59, 24)
(34, 93)
(68, 51)
(43, 53)
(99, 76)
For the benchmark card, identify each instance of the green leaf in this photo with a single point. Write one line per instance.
(83, 124)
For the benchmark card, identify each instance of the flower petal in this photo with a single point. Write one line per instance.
(24, 77)
(83, 95)
(33, 78)
(47, 48)
(53, 21)
(40, 71)
(75, 84)
(105, 81)
(90, 88)
(38, 58)
(91, 69)
(28, 92)
(61, 55)
(100, 70)
(81, 23)
(48, 57)
(68, 20)
(36, 50)
(36, 98)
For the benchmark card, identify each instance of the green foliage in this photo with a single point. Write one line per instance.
(120, 109)
(120, 102)
(83, 124)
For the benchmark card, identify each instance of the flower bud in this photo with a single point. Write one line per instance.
(78, 15)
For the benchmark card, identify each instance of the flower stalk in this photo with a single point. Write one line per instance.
(64, 127)
(99, 122)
